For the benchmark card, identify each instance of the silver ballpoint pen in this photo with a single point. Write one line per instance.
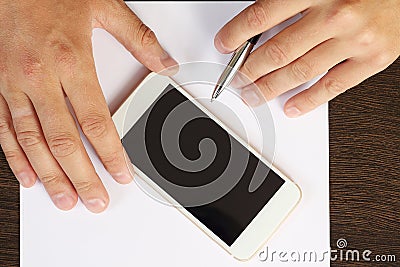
(237, 60)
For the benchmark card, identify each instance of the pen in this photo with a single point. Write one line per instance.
(237, 60)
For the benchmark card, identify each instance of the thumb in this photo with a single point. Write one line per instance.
(120, 21)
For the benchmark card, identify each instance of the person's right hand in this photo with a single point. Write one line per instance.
(46, 52)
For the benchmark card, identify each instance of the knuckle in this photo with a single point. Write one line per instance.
(383, 60)
(28, 138)
(84, 186)
(32, 68)
(344, 14)
(11, 155)
(62, 145)
(249, 69)
(367, 37)
(64, 53)
(302, 71)
(275, 52)
(310, 100)
(94, 126)
(111, 160)
(50, 178)
(334, 87)
(257, 16)
(268, 91)
(5, 126)
(145, 35)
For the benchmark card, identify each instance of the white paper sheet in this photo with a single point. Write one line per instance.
(138, 231)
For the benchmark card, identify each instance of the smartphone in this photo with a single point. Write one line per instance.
(162, 128)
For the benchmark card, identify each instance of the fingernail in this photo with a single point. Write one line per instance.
(251, 97)
(292, 112)
(170, 64)
(220, 46)
(123, 178)
(129, 164)
(26, 179)
(95, 205)
(63, 201)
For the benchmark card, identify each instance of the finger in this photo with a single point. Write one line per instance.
(118, 19)
(30, 138)
(16, 158)
(255, 19)
(314, 63)
(338, 80)
(285, 47)
(93, 115)
(64, 142)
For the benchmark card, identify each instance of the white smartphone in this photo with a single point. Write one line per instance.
(215, 196)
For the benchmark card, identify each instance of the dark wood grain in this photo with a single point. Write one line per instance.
(9, 216)
(364, 173)
(364, 166)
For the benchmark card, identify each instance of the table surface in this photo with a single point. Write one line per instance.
(364, 173)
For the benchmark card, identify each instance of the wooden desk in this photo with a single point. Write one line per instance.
(364, 173)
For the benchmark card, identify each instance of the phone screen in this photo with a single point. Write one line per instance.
(200, 165)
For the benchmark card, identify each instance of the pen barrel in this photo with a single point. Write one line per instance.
(234, 64)
(240, 56)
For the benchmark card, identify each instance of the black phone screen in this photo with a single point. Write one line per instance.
(200, 165)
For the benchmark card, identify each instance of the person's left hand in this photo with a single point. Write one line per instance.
(352, 39)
